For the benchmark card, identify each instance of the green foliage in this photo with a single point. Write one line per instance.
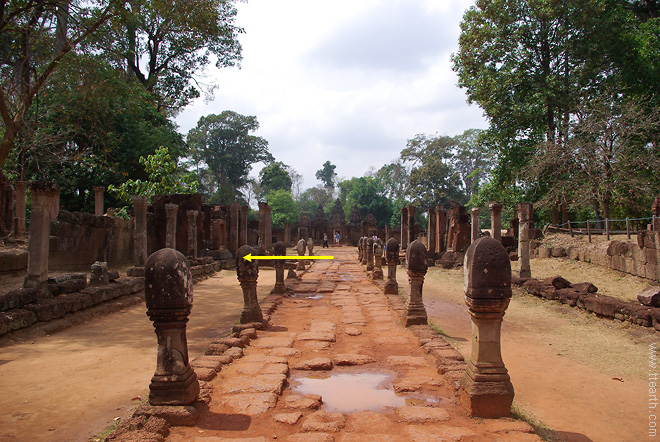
(314, 197)
(275, 177)
(368, 197)
(224, 145)
(327, 175)
(164, 178)
(284, 208)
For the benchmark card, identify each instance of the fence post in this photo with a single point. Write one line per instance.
(570, 228)
(628, 227)
(607, 228)
(589, 231)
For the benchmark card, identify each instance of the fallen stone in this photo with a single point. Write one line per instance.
(650, 296)
(308, 401)
(586, 287)
(557, 281)
(175, 415)
(251, 333)
(234, 352)
(205, 374)
(216, 349)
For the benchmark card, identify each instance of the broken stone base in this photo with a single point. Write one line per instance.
(486, 399)
(174, 390)
(175, 415)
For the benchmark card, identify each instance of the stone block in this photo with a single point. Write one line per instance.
(13, 261)
(650, 296)
(584, 287)
(550, 292)
(18, 318)
(71, 286)
(534, 287)
(573, 253)
(605, 306)
(18, 298)
(557, 252)
(175, 415)
(75, 300)
(557, 282)
(569, 296)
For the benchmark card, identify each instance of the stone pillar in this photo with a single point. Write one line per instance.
(430, 231)
(243, 229)
(360, 249)
(170, 225)
(39, 241)
(364, 250)
(140, 205)
(440, 229)
(411, 223)
(525, 216)
(387, 232)
(392, 254)
(404, 228)
(416, 257)
(192, 233)
(378, 260)
(287, 234)
(262, 225)
(496, 220)
(310, 247)
(279, 249)
(369, 251)
(486, 389)
(268, 240)
(475, 211)
(98, 200)
(21, 191)
(169, 293)
(56, 204)
(300, 248)
(247, 273)
(233, 227)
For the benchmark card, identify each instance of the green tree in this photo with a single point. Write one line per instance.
(284, 208)
(471, 160)
(314, 197)
(433, 179)
(35, 38)
(165, 44)
(367, 195)
(224, 145)
(327, 175)
(394, 179)
(164, 178)
(275, 177)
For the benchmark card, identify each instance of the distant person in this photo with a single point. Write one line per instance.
(337, 239)
(325, 241)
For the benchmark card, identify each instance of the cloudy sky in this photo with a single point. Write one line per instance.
(347, 81)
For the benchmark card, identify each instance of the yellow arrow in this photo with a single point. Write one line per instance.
(249, 257)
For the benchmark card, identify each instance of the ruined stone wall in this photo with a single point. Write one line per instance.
(640, 259)
(79, 239)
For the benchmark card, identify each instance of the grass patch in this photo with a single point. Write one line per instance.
(439, 330)
(542, 430)
(101, 435)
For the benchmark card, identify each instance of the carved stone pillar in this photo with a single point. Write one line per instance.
(39, 241)
(268, 240)
(300, 249)
(140, 205)
(98, 200)
(262, 225)
(21, 191)
(360, 249)
(416, 257)
(233, 227)
(404, 228)
(475, 212)
(279, 249)
(392, 254)
(248, 272)
(310, 247)
(364, 250)
(486, 389)
(440, 229)
(243, 227)
(525, 216)
(378, 259)
(192, 232)
(496, 220)
(430, 231)
(170, 225)
(169, 296)
(411, 223)
(370, 254)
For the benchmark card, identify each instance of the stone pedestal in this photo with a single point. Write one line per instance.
(170, 226)
(39, 242)
(310, 246)
(525, 218)
(486, 389)
(416, 257)
(192, 233)
(99, 275)
(378, 260)
(140, 205)
(98, 200)
(496, 220)
(279, 249)
(392, 255)
(370, 254)
(168, 295)
(247, 273)
(404, 228)
(21, 191)
(476, 231)
(360, 248)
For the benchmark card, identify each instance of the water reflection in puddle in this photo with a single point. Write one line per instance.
(351, 392)
(306, 296)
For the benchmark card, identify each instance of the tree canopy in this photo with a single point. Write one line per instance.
(327, 175)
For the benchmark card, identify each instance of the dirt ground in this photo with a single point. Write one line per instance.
(564, 364)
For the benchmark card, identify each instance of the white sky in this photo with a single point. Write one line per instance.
(349, 81)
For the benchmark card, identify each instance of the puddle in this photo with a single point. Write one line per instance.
(307, 296)
(355, 392)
